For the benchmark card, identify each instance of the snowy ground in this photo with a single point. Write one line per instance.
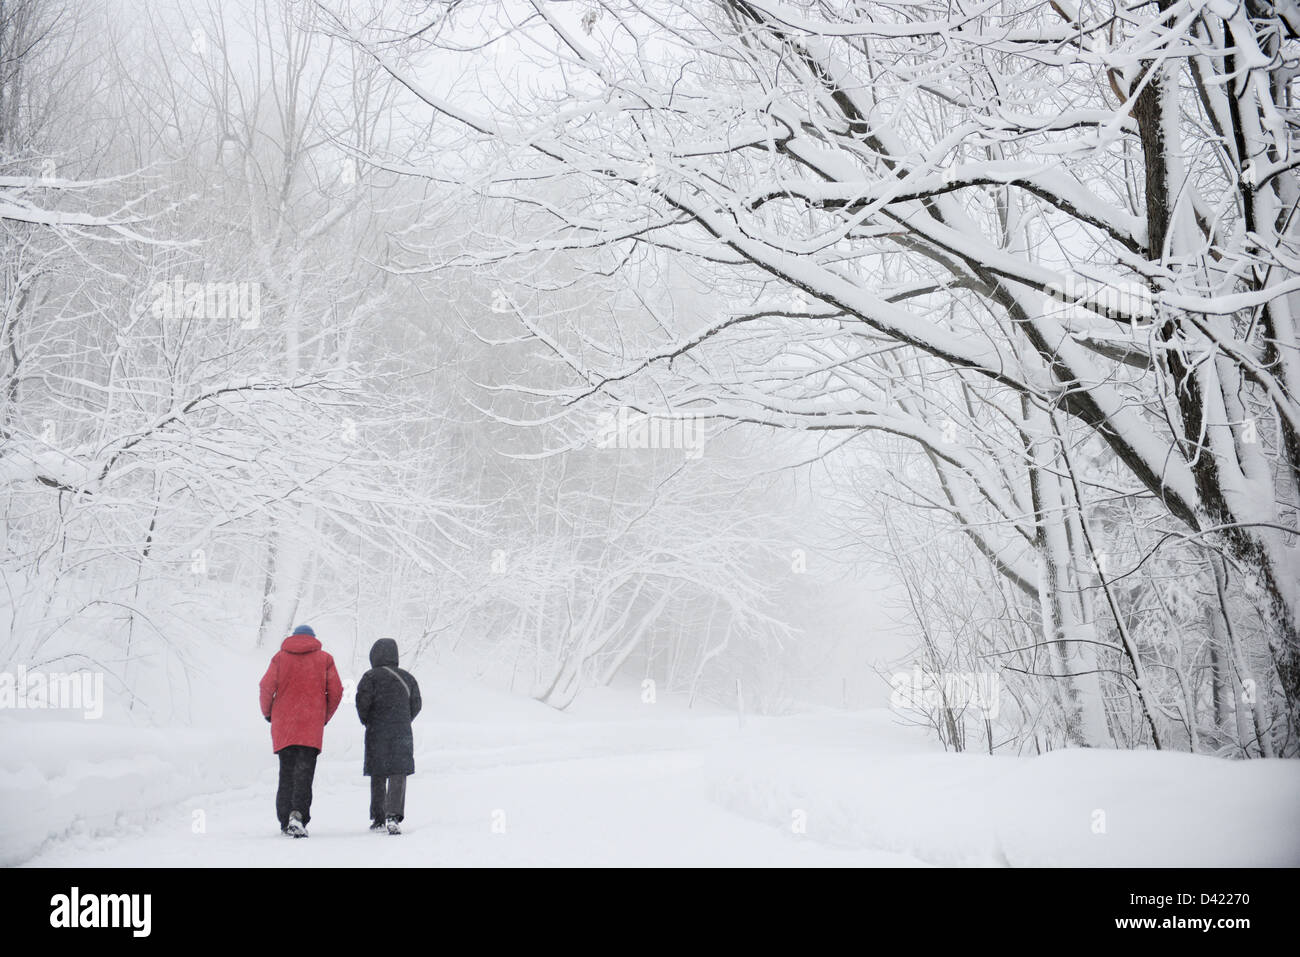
(505, 781)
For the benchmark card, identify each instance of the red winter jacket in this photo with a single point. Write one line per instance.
(300, 693)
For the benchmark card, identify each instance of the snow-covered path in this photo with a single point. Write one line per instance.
(505, 782)
(624, 810)
(546, 792)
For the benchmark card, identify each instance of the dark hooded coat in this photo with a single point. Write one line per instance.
(388, 699)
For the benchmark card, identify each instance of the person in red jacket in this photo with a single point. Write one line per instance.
(299, 694)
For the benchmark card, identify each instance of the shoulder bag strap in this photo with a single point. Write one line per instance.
(405, 687)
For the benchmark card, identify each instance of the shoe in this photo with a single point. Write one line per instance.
(296, 827)
(378, 825)
(394, 827)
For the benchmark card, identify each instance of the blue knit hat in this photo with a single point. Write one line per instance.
(304, 630)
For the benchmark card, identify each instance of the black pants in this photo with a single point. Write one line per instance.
(297, 768)
(387, 796)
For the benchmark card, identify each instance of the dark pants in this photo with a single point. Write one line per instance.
(387, 796)
(297, 768)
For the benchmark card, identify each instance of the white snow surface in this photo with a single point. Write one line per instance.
(505, 781)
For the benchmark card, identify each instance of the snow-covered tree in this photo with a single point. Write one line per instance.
(1078, 217)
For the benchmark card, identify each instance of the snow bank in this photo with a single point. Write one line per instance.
(1067, 808)
(58, 777)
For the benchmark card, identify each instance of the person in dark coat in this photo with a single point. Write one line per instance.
(300, 692)
(388, 699)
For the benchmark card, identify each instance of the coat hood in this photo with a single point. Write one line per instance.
(383, 652)
(300, 644)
